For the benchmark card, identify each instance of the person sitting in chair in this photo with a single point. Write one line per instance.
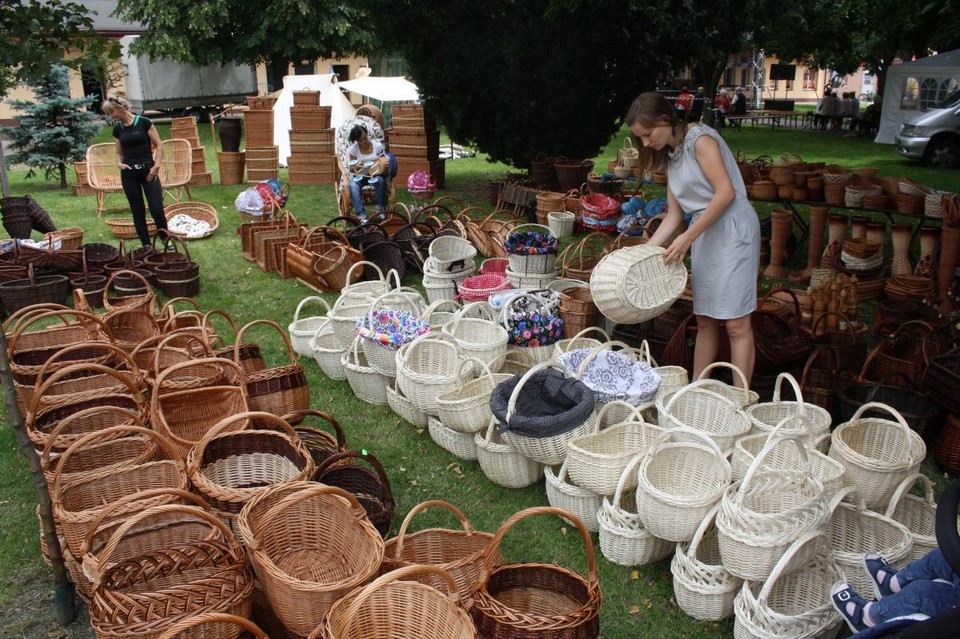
(366, 158)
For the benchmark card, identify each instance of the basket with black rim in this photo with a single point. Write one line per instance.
(368, 482)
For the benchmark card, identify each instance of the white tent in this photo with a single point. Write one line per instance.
(912, 86)
(385, 89)
(330, 96)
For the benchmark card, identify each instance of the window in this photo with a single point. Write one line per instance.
(808, 84)
(342, 71)
(928, 93)
(947, 87)
(911, 93)
(304, 68)
(789, 85)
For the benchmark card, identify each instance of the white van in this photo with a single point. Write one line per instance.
(934, 135)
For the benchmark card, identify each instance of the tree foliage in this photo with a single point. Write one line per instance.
(55, 129)
(276, 33)
(40, 33)
(517, 78)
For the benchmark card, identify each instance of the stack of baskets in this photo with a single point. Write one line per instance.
(861, 255)
(532, 254)
(312, 159)
(450, 262)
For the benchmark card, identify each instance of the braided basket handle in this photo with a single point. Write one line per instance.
(419, 508)
(191, 622)
(403, 574)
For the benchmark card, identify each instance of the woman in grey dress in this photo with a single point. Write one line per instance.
(724, 236)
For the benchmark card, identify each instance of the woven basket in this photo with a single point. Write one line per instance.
(534, 599)
(623, 538)
(429, 366)
(561, 223)
(596, 460)
(302, 329)
(918, 514)
(678, 484)
(188, 627)
(565, 495)
(770, 509)
(327, 352)
(910, 204)
(478, 335)
(699, 408)
(538, 264)
(933, 204)
(367, 481)
(634, 284)
(451, 254)
(196, 210)
(366, 382)
(459, 552)
(878, 453)
(310, 545)
(794, 601)
(765, 416)
(407, 599)
(503, 464)
(467, 409)
(277, 389)
(456, 443)
(703, 588)
(321, 444)
(123, 229)
(383, 357)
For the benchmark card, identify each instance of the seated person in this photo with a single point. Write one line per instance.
(924, 588)
(366, 160)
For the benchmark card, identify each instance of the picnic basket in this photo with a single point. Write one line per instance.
(456, 443)
(393, 319)
(428, 366)
(623, 538)
(467, 408)
(536, 600)
(702, 586)
(310, 545)
(503, 464)
(696, 407)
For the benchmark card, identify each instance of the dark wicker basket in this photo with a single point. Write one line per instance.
(922, 414)
(34, 289)
(21, 215)
(369, 484)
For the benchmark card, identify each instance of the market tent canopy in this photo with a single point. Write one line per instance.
(911, 87)
(385, 89)
(330, 95)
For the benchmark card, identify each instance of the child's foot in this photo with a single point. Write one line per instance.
(851, 606)
(881, 575)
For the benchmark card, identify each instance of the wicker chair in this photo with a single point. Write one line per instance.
(103, 174)
(342, 143)
(176, 169)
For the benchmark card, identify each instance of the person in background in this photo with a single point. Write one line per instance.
(738, 106)
(824, 112)
(139, 154)
(696, 109)
(684, 103)
(724, 236)
(839, 111)
(853, 108)
(363, 150)
(722, 105)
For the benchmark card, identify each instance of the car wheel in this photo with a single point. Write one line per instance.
(943, 154)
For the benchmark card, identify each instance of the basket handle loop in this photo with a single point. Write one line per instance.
(904, 489)
(491, 428)
(291, 354)
(814, 536)
(226, 426)
(814, 356)
(512, 404)
(206, 327)
(402, 574)
(177, 629)
(305, 301)
(903, 451)
(125, 362)
(635, 414)
(293, 498)
(167, 310)
(167, 341)
(607, 346)
(24, 314)
(701, 531)
(493, 550)
(363, 264)
(797, 393)
(628, 471)
(191, 498)
(126, 526)
(464, 522)
(772, 442)
(94, 325)
(437, 305)
(296, 417)
(846, 320)
(703, 385)
(705, 374)
(486, 312)
(592, 329)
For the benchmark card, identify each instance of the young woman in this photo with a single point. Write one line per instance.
(364, 150)
(139, 154)
(724, 236)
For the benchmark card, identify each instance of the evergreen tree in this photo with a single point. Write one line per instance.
(55, 130)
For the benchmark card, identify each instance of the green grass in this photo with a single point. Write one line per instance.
(634, 603)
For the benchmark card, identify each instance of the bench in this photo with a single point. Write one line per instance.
(736, 121)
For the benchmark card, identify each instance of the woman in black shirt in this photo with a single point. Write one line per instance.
(139, 154)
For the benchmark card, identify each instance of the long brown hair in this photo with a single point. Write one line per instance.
(652, 109)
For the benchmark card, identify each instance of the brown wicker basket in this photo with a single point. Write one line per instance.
(764, 190)
(910, 204)
(279, 389)
(369, 484)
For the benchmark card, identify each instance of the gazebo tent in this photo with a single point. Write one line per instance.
(330, 95)
(913, 86)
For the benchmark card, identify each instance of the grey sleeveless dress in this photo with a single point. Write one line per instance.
(725, 258)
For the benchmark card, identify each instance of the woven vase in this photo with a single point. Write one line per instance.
(929, 236)
(837, 229)
(877, 232)
(858, 227)
(818, 228)
(946, 271)
(779, 232)
(901, 234)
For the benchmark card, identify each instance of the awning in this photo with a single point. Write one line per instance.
(390, 89)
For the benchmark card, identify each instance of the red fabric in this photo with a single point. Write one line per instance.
(685, 101)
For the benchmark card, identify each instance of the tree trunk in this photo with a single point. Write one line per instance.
(713, 72)
(63, 175)
(279, 67)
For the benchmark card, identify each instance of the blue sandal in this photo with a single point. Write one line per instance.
(850, 605)
(880, 573)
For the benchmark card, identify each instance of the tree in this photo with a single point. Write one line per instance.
(55, 130)
(275, 33)
(515, 78)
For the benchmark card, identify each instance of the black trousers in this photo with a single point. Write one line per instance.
(136, 187)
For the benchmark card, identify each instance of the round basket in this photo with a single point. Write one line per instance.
(565, 495)
(477, 288)
(623, 538)
(538, 263)
(503, 464)
(428, 367)
(391, 321)
(203, 220)
(703, 588)
(326, 351)
(765, 416)
(696, 407)
(320, 443)
(366, 382)
(678, 483)
(402, 406)
(123, 229)
(467, 409)
(530, 281)
(596, 460)
(451, 254)
(561, 223)
(878, 453)
(367, 481)
(633, 284)
(454, 442)
(476, 332)
(302, 329)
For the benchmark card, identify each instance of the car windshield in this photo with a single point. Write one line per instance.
(951, 100)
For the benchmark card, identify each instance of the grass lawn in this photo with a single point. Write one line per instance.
(637, 602)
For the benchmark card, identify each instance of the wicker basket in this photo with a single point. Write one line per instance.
(367, 481)
(503, 464)
(321, 444)
(301, 330)
(479, 336)
(278, 389)
(634, 284)
(402, 406)
(196, 210)
(467, 409)
(765, 416)
(366, 382)
(533, 599)
(122, 227)
(186, 628)
(565, 495)
(596, 460)
(697, 407)
(623, 538)
(327, 352)
(310, 545)
(456, 443)
(537, 264)
(918, 514)
(428, 367)
(703, 588)
(561, 223)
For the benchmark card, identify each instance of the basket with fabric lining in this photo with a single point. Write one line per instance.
(533, 599)
(310, 545)
(531, 251)
(703, 588)
(198, 211)
(392, 320)
(477, 288)
(367, 482)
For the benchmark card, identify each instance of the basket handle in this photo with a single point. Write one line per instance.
(705, 374)
(11, 324)
(305, 301)
(634, 412)
(493, 549)
(162, 376)
(491, 428)
(125, 361)
(512, 404)
(508, 305)
(486, 312)
(591, 329)
(628, 471)
(188, 623)
(797, 393)
(167, 310)
(135, 393)
(336, 458)
(701, 532)
(819, 350)
(773, 440)
(904, 452)
(704, 386)
(783, 564)
(849, 332)
(290, 500)
(607, 346)
(363, 264)
(419, 508)
(296, 417)
(107, 511)
(904, 489)
(434, 306)
(94, 329)
(167, 341)
(205, 326)
(402, 574)
(291, 354)
(117, 536)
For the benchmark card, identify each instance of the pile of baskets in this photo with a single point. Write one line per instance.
(450, 262)
(532, 253)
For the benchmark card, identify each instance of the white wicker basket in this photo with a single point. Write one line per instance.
(623, 539)
(479, 336)
(561, 493)
(697, 408)
(531, 281)
(428, 366)
(380, 356)
(402, 406)
(561, 223)
(344, 315)
(703, 588)
(451, 254)
(918, 514)
(366, 382)
(634, 284)
(328, 353)
(741, 395)
(302, 329)
(765, 416)
(503, 464)
(531, 264)
(459, 444)
(596, 460)
(467, 409)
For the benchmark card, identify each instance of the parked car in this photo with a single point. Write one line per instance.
(933, 136)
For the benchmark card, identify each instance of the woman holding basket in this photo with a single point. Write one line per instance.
(724, 236)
